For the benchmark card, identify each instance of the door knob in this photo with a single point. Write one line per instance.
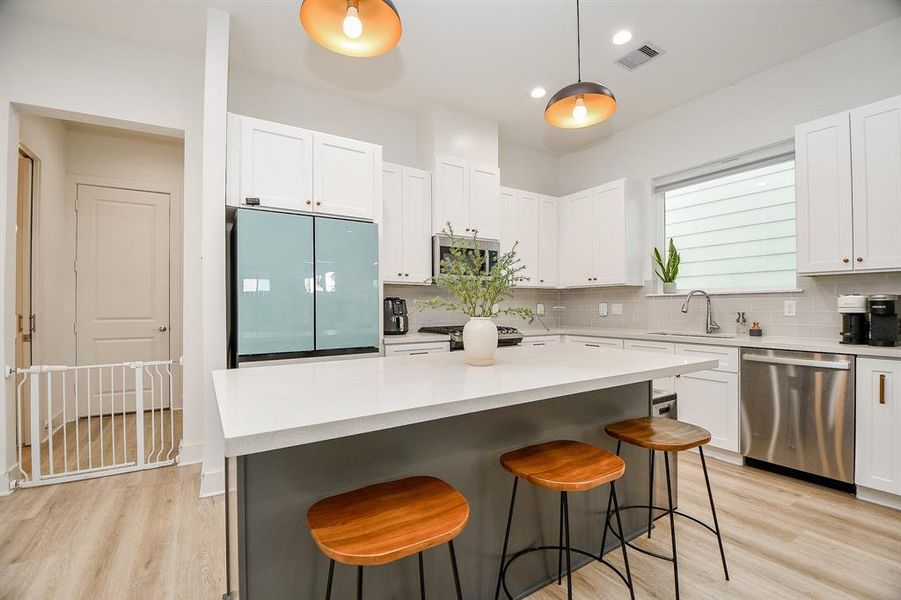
(163, 328)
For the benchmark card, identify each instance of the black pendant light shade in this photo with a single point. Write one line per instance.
(374, 26)
(582, 103)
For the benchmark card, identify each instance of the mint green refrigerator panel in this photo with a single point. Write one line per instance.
(347, 284)
(274, 282)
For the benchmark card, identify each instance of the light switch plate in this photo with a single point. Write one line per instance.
(790, 308)
(617, 309)
(602, 309)
(539, 308)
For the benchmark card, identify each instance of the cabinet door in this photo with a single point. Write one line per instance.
(527, 226)
(608, 243)
(391, 260)
(343, 176)
(709, 399)
(565, 274)
(485, 201)
(450, 202)
(878, 439)
(876, 174)
(547, 242)
(509, 230)
(276, 165)
(580, 227)
(417, 219)
(823, 195)
(666, 383)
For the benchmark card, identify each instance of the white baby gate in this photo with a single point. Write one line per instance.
(94, 420)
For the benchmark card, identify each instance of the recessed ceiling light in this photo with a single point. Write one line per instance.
(622, 37)
(538, 92)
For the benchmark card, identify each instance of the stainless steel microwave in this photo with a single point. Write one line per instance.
(441, 249)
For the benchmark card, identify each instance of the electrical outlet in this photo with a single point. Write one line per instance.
(602, 309)
(539, 309)
(790, 308)
(617, 309)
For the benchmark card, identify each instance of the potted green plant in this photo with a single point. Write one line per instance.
(668, 271)
(477, 294)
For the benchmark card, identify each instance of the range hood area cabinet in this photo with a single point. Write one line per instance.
(406, 225)
(601, 235)
(848, 186)
(466, 195)
(530, 222)
(276, 166)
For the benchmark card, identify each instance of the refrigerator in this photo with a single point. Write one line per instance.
(302, 286)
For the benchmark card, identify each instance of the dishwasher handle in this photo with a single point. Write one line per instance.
(840, 365)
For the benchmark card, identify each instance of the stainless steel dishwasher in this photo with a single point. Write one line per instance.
(797, 411)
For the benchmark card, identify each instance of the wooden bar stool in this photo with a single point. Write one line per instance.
(564, 466)
(385, 522)
(665, 435)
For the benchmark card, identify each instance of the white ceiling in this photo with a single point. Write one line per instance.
(485, 55)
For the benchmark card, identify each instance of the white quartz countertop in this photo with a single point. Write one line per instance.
(267, 408)
(765, 341)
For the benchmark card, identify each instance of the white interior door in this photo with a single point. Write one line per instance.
(122, 280)
(23, 284)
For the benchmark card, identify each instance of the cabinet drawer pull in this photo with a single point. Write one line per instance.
(882, 388)
(593, 345)
(420, 352)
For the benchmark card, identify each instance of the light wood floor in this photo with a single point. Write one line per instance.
(148, 535)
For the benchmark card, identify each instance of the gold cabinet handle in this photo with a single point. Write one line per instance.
(309, 202)
(318, 203)
(846, 260)
(406, 274)
(859, 259)
(882, 388)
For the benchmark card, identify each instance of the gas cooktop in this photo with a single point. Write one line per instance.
(506, 336)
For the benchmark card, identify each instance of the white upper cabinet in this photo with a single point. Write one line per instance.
(406, 224)
(547, 242)
(601, 235)
(344, 175)
(272, 165)
(823, 201)
(509, 232)
(527, 230)
(848, 175)
(876, 184)
(468, 196)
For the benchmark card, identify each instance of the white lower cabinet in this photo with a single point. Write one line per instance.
(878, 418)
(709, 399)
(415, 349)
(667, 383)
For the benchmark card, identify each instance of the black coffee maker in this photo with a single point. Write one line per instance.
(395, 315)
(884, 324)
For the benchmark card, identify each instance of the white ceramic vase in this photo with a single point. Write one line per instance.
(669, 288)
(480, 341)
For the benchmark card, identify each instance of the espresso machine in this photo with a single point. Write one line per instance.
(884, 323)
(395, 316)
(855, 324)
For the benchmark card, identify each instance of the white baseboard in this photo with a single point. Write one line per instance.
(879, 497)
(190, 454)
(212, 483)
(733, 458)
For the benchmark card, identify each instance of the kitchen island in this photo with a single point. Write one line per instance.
(297, 433)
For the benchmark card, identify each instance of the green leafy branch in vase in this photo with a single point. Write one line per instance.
(474, 292)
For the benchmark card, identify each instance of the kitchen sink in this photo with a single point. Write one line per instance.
(691, 334)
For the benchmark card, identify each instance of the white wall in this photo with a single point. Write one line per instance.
(85, 77)
(284, 102)
(527, 169)
(446, 130)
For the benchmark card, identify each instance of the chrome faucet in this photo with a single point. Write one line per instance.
(711, 324)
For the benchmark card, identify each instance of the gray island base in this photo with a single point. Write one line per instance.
(272, 556)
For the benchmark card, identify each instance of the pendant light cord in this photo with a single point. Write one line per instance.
(579, 40)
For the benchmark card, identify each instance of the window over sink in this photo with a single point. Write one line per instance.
(733, 222)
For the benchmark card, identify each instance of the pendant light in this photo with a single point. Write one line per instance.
(352, 27)
(582, 103)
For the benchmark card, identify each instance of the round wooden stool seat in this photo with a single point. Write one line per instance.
(564, 465)
(659, 433)
(385, 522)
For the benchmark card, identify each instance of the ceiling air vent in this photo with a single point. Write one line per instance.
(642, 55)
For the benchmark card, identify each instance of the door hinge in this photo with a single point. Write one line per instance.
(32, 323)
(75, 327)
(75, 266)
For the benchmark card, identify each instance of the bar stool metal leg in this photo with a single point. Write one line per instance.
(453, 556)
(331, 575)
(622, 536)
(359, 583)
(569, 567)
(560, 545)
(421, 578)
(651, 495)
(716, 524)
(672, 523)
(500, 571)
